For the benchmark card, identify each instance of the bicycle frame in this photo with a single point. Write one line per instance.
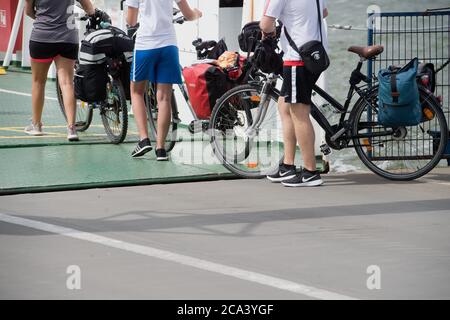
(333, 132)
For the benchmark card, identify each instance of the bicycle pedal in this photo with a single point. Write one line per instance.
(326, 150)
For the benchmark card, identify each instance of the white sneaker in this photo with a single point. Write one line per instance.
(72, 133)
(34, 129)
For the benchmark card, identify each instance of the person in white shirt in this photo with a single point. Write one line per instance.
(300, 17)
(155, 59)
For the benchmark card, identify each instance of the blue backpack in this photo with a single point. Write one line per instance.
(398, 96)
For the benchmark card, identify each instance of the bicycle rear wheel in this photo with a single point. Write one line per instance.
(404, 153)
(114, 113)
(151, 107)
(245, 153)
(84, 110)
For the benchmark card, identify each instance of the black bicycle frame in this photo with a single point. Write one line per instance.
(356, 78)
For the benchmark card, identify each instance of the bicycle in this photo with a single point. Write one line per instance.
(114, 110)
(245, 135)
(202, 49)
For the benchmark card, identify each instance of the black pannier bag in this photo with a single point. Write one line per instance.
(90, 82)
(92, 75)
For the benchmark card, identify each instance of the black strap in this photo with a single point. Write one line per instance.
(292, 43)
(394, 91)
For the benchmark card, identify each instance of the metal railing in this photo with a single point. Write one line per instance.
(406, 35)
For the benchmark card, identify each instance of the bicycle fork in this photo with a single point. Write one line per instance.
(252, 131)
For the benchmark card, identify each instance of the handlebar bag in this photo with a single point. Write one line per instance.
(90, 82)
(205, 85)
(398, 96)
(249, 36)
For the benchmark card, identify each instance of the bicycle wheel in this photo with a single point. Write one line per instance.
(246, 152)
(114, 113)
(84, 110)
(404, 153)
(151, 107)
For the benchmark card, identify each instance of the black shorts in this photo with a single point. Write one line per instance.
(47, 52)
(297, 85)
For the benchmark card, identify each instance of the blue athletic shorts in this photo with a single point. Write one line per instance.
(160, 65)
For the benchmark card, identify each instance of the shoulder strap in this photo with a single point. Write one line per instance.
(319, 14)
(292, 43)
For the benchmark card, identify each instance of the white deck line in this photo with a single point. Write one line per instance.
(178, 258)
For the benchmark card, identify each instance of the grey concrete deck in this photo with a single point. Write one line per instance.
(324, 238)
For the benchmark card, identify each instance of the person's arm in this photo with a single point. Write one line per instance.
(29, 9)
(87, 7)
(132, 12)
(189, 13)
(272, 12)
(325, 13)
(268, 26)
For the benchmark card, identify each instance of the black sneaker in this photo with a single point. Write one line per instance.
(285, 172)
(304, 179)
(142, 148)
(161, 155)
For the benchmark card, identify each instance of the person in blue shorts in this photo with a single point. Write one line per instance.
(156, 60)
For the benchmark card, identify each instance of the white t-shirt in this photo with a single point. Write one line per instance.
(156, 28)
(301, 21)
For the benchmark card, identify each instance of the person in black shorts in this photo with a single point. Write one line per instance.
(54, 38)
(300, 19)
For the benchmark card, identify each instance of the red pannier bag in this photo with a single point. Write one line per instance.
(205, 83)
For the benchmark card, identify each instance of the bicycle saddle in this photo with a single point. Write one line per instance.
(367, 52)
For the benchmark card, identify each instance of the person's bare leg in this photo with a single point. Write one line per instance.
(138, 103)
(304, 132)
(164, 97)
(65, 68)
(289, 139)
(39, 78)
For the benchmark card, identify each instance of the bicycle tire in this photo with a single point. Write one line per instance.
(151, 108)
(84, 112)
(378, 160)
(240, 164)
(119, 114)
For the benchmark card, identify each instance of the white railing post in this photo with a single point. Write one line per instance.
(14, 33)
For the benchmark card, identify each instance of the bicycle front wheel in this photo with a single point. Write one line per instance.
(246, 150)
(152, 109)
(403, 153)
(84, 110)
(114, 113)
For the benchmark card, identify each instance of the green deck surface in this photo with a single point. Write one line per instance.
(50, 162)
(50, 168)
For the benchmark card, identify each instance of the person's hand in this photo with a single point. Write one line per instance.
(270, 35)
(100, 16)
(132, 31)
(198, 12)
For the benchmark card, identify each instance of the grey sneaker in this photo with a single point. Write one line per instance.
(34, 129)
(72, 133)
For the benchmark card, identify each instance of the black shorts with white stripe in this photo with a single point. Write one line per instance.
(297, 85)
